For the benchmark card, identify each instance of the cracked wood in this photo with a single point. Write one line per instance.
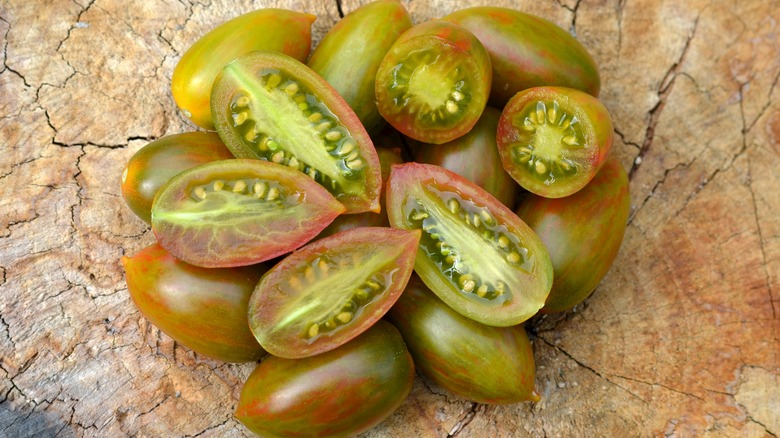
(681, 338)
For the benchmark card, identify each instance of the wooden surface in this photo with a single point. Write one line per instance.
(681, 339)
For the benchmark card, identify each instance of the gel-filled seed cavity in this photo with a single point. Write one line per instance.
(454, 231)
(282, 121)
(551, 144)
(429, 84)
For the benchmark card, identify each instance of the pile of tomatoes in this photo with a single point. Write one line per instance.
(405, 197)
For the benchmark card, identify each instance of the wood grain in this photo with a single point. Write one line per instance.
(681, 338)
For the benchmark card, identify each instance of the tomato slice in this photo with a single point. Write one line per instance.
(239, 212)
(272, 107)
(553, 140)
(474, 253)
(331, 290)
(434, 82)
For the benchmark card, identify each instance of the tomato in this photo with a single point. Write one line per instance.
(157, 162)
(528, 51)
(331, 290)
(342, 392)
(387, 157)
(485, 364)
(553, 140)
(200, 308)
(351, 67)
(582, 233)
(278, 30)
(270, 106)
(239, 212)
(434, 82)
(474, 157)
(474, 253)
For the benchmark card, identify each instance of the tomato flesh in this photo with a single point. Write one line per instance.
(331, 290)
(474, 253)
(272, 107)
(239, 212)
(434, 82)
(553, 140)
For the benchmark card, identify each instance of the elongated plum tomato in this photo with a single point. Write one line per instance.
(553, 140)
(157, 162)
(278, 30)
(582, 233)
(527, 51)
(342, 392)
(434, 82)
(387, 157)
(475, 157)
(349, 54)
(485, 364)
(203, 309)
(331, 290)
(239, 212)
(475, 254)
(272, 107)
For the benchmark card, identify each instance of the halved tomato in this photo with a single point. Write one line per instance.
(239, 212)
(553, 140)
(331, 290)
(272, 107)
(434, 82)
(474, 253)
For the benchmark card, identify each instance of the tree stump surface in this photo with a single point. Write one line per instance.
(681, 338)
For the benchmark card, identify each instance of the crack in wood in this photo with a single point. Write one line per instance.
(664, 90)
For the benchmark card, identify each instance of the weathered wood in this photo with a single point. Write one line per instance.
(680, 339)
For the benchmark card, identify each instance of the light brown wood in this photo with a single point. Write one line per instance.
(681, 339)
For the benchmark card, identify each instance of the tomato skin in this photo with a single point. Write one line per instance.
(246, 68)
(271, 29)
(226, 228)
(582, 233)
(475, 157)
(202, 309)
(528, 278)
(528, 51)
(275, 310)
(464, 49)
(342, 392)
(157, 162)
(493, 365)
(351, 68)
(597, 131)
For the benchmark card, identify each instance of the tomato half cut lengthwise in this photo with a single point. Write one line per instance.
(474, 253)
(270, 29)
(331, 290)
(434, 82)
(553, 140)
(239, 212)
(272, 107)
